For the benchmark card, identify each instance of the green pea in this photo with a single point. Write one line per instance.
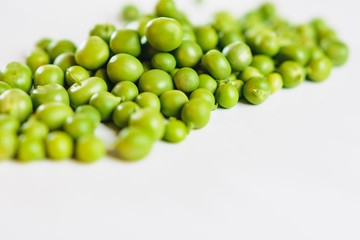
(89, 149)
(224, 21)
(75, 74)
(188, 54)
(156, 81)
(90, 112)
(30, 149)
(196, 113)
(239, 85)
(263, 63)
(92, 53)
(124, 67)
(59, 145)
(205, 95)
(216, 64)
(164, 34)
(227, 95)
(229, 37)
(18, 75)
(165, 8)
(239, 55)
(250, 72)
(3, 87)
(186, 79)
(9, 123)
(65, 60)
(257, 90)
(55, 48)
(37, 58)
(105, 103)
(175, 131)
(52, 92)
(207, 38)
(319, 69)
(207, 82)
(316, 52)
(188, 33)
(53, 114)
(172, 102)
(267, 9)
(48, 74)
(43, 43)
(164, 61)
(103, 31)
(292, 72)
(150, 120)
(16, 103)
(130, 12)
(126, 90)
(148, 100)
(297, 53)
(142, 22)
(123, 112)
(78, 125)
(8, 144)
(276, 81)
(133, 144)
(125, 41)
(338, 52)
(267, 44)
(81, 92)
(35, 128)
(102, 73)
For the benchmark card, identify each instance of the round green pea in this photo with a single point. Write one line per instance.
(16, 103)
(8, 144)
(90, 112)
(59, 145)
(150, 120)
(148, 100)
(52, 92)
(276, 81)
(78, 125)
(35, 129)
(89, 149)
(55, 48)
(227, 95)
(319, 69)
(37, 58)
(263, 63)
(338, 52)
(30, 148)
(65, 60)
(175, 131)
(250, 72)
(124, 67)
(126, 90)
(239, 84)
(165, 8)
(48, 74)
(238, 54)
(188, 54)
(294, 52)
(196, 113)
(104, 31)
(75, 74)
(172, 102)
(292, 72)
(205, 95)
(9, 123)
(164, 61)
(207, 38)
(18, 75)
(3, 87)
(43, 43)
(53, 114)
(186, 79)
(125, 41)
(130, 12)
(257, 90)
(123, 112)
(156, 81)
(216, 64)
(92, 53)
(105, 103)
(207, 82)
(267, 44)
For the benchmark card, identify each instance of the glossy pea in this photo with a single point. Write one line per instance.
(172, 102)
(126, 90)
(156, 81)
(124, 67)
(78, 125)
(257, 90)
(207, 37)
(292, 72)
(125, 41)
(175, 131)
(196, 113)
(263, 63)
(250, 72)
(205, 95)
(104, 31)
(216, 64)
(239, 55)
(105, 103)
(227, 95)
(165, 8)
(163, 61)
(89, 149)
(276, 82)
(90, 112)
(148, 100)
(30, 149)
(228, 37)
(65, 60)
(53, 114)
(52, 92)
(75, 74)
(319, 69)
(150, 120)
(48, 74)
(188, 54)
(18, 75)
(8, 144)
(207, 82)
(186, 79)
(59, 145)
(16, 103)
(37, 58)
(123, 112)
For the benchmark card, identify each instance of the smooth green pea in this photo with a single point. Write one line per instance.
(126, 90)
(338, 52)
(172, 102)
(224, 21)
(207, 82)
(65, 60)
(257, 90)
(55, 48)
(319, 69)
(150, 120)
(156, 81)
(37, 58)
(166, 8)
(267, 9)
(148, 100)
(239, 84)
(295, 52)
(133, 144)
(250, 72)
(90, 112)
(188, 54)
(89, 149)
(276, 81)
(16, 103)
(205, 95)
(164, 61)
(53, 114)
(75, 74)
(8, 144)
(124, 67)
(130, 12)
(142, 21)
(104, 31)
(105, 103)
(216, 64)
(188, 33)
(196, 113)
(292, 72)
(92, 53)
(207, 38)
(9, 123)
(81, 92)
(229, 37)
(175, 131)
(164, 34)
(186, 79)
(18, 75)
(3, 87)
(125, 41)
(52, 92)
(227, 95)
(43, 43)
(267, 44)
(59, 145)
(48, 74)
(102, 73)
(239, 55)
(30, 148)
(123, 112)
(78, 125)
(263, 63)
(35, 129)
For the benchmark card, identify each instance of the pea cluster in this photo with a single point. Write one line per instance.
(157, 79)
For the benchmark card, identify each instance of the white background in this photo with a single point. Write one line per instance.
(288, 169)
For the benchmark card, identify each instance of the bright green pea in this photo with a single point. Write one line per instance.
(43, 43)
(250, 72)
(267, 44)
(175, 131)
(35, 128)
(53, 114)
(319, 69)
(189, 34)
(18, 75)
(52, 92)
(124, 67)
(125, 41)
(89, 149)
(78, 125)
(102, 73)
(130, 12)
(229, 37)
(267, 9)
(150, 120)
(105, 103)
(239, 84)
(133, 144)
(156, 81)
(59, 145)
(8, 144)
(55, 48)
(292, 72)
(163, 61)
(3, 87)
(90, 112)
(207, 82)
(103, 31)
(30, 149)
(148, 100)
(166, 8)
(65, 60)
(224, 21)
(239, 55)
(196, 113)
(216, 64)
(142, 22)
(76, 74)
(257, 90)
(92, 53)
(263, 63)
(227, 95)
(48, 74)
(188, 54)
(16, 103)
(9, 123)
(123, 112)
(172, 102)
(207, 38)
(338, 52)
(186, 79)
(276, 81)
(37, 58)
(126, 90)
(295, 52)
(205, 95)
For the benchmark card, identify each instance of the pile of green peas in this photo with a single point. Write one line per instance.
(158, 78)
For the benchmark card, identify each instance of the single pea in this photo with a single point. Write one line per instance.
(103, 31)
(250, 72)
(148, 100)
(186, 79)
(43, 43)
(124, 67)
(35, 128)
(163, 61)
(16, 103)
(92, 53)
(156, 81)
(78, 125)
(105, 103)
(276, 81)
(239, 55)
(90, 112)
(65, 60)
(52, 92)
(257, 90)
(30, 149)
(316, 52)
(3, 87)
(319, 69)
(338, 52)
(133, 144)
(205, 95)
(130, 12)
(224, 21)
(292, 72)
(172, 102)
(123, 112)
(53, 114)
(295, 52)
(175, 131)
(229, 37)
(126, 90)
(81, 92)
(188, 54)
(89, 148)
(166, 8)
(207, 38)
(37, 58)
(18, 75)
(9, 123)
(48, 74)
(267, 44)
(55, 48)
(125, 41)
(164, 34)
(196, 113)
(227, 95)
(207, 82)
(8, 144)
(59, 145)
(263, 63)
(189, 33)
(239, 85)
(75, 74)
(216, 64)
(150, 120)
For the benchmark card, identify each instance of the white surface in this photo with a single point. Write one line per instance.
(287, 169)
